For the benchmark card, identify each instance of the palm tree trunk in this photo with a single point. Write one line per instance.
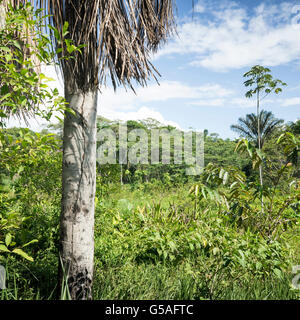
(78, 193)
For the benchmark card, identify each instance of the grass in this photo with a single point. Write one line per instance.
(120, 274)
(124, 277)
(293, 238)
(158, 282)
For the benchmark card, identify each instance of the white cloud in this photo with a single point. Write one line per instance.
(290, 102)
(265, 103)
(125, 105)
(232, 37)
(141, 114)
(293, 88)
(167, 90)
(243, 103)
(199, 8)
(35, 124)
(209, 103)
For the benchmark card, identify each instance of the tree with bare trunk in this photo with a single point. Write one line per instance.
(117, 37)
(262, 83)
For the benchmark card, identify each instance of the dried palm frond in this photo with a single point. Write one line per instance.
(117, 35)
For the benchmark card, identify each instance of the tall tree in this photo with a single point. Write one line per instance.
(249, 126)
(264, 84)
(118, 36)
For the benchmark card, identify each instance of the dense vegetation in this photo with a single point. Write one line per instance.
(231, 232)
(159, 234)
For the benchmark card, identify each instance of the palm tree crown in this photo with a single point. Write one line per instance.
(248, 127)
(117, 35)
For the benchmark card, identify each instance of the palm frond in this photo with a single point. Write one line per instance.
(242, 130)
(247, 127)
(117, 35)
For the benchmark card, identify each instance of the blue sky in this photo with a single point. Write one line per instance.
(202, 67)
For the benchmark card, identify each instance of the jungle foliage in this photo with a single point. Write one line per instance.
(159, 234)
(202, 237)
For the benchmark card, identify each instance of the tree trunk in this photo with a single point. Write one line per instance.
(78, 193)
(259, 148)
(259, 138)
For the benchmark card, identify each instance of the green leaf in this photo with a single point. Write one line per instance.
(260, 154)
(65, 28)
(17, 44)
(23, 254)
(5, 49)
(71, 48)
(258, 265)
(3, 248)
(5, 96)
(30, 242)
(56, 33)
(278, 90)
(172, 245)
(278, 273)
(8, 238)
